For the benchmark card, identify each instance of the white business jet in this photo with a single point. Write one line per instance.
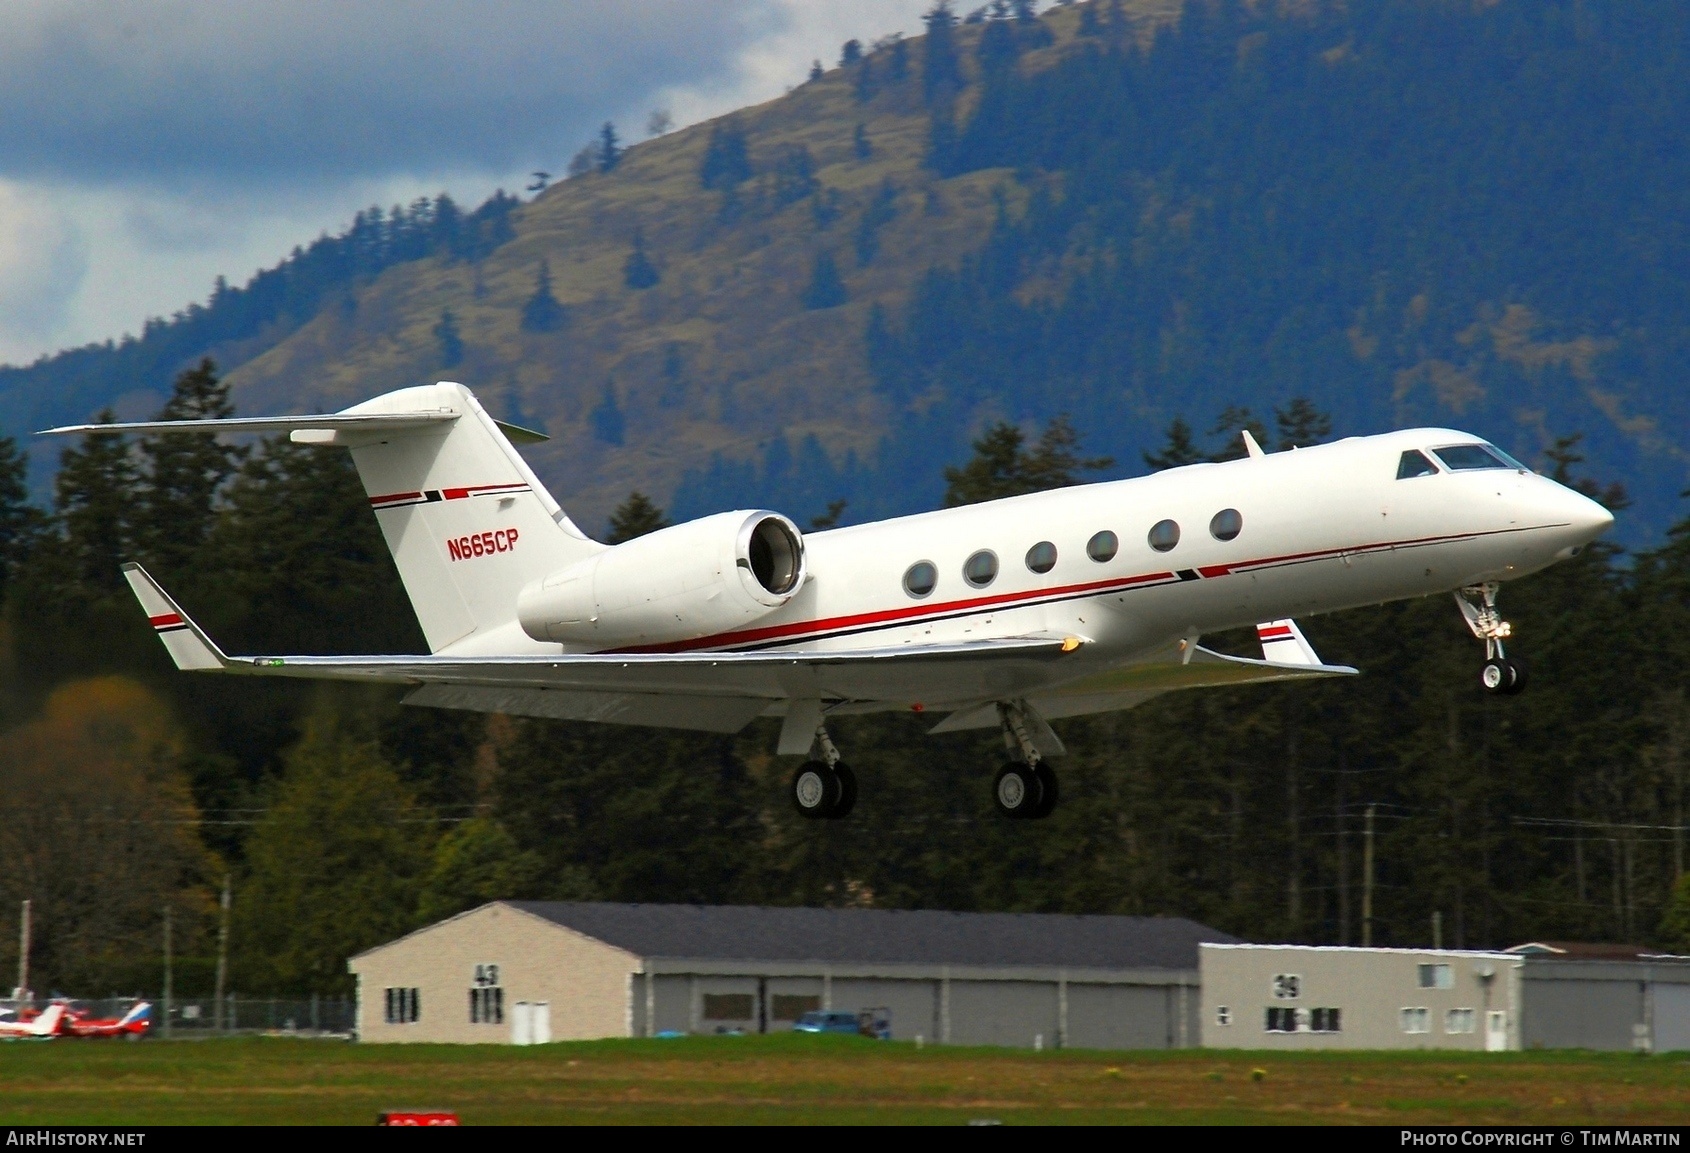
(1006, 615)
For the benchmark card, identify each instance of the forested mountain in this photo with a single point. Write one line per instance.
(884, 288)
(1441, 212)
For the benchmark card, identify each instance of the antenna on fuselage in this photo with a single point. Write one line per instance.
(1250, 445)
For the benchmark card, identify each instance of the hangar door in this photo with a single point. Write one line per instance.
(1672, 1017)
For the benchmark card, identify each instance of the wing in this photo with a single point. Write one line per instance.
(719, 692)
(1183, 665)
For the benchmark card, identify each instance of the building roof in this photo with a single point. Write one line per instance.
(1587, 951)
(884, 936)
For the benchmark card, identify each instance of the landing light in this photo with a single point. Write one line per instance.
(1069, 644)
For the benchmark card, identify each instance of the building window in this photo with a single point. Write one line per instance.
(487, 1005)
(404, 1006)
(1415, 1020)
(1103, 546)
(486, 997)
(921, 579)
(1223, 1015)
(1287, 986)
(1226, 524)
(728, 1007)
(981, 569)
(1281, 1019)
(1436, 977)
(1041, 558)
(1458, 1020)
(791, 1006)
(1325, 1021)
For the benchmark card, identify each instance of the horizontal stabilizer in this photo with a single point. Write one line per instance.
(332, 422)
(188, 646)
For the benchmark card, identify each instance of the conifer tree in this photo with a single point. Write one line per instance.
(636, 516)
(861, 146)
(21, 523)
(638, 272)
(1301, 424)
(606, 418)
(95, 500)
(1179, 450)
(851, 53)
(941, 67)
(451, 343)
(826, 289)
(609, 151)
(1002, 466)
(543, 312)
(727, 158)
(185, 472)
(816, 72)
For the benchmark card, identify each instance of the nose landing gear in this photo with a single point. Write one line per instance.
(1024, 789)
(1501, 673)
(824, 789)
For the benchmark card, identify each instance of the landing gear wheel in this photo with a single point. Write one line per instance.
(847, 792)
(815, 790)
(1503, 676)
(1018, 792)
(1047, 788)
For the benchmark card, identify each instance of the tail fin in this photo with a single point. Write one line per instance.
(467, 521)
(142, 1012)
(48, 1023)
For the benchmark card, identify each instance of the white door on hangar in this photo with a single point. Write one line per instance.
(531, 1023)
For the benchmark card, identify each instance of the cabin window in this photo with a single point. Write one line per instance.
(1103, 546)
(1226, 524)
(1164, 535)
(981, 569)
(1041, 558)
(1414, 463)
(1472, 457)
(921, 578)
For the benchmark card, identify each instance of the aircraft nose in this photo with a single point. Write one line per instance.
(1585, 519)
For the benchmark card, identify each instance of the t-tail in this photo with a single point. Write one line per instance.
(467, 521)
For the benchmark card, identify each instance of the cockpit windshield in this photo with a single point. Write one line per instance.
(1472, 457)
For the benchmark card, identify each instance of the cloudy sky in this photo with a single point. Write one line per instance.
(149, 145)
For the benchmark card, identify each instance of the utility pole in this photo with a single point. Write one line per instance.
(1367, 878)
(1437, 929)
(222, 956)
(167, 970)
(23, 953)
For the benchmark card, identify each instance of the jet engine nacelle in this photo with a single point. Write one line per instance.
(693, 580)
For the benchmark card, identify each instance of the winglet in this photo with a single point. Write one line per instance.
(189, 647)
(1283, 643)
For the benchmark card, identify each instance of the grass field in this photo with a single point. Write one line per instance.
(826, 1080)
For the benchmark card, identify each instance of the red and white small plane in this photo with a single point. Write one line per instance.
(1003, 615)
(44, 1025)
(134, 1023)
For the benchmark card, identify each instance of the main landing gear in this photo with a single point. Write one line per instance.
(1024, 789)
(824, 789)
(1501, 673)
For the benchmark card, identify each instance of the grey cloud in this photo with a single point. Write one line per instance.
(313, 90)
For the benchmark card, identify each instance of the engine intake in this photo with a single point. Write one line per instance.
(707, 576)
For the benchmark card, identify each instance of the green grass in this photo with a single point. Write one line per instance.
(822, 1080)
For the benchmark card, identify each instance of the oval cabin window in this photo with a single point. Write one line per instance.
(1103, 546)
(921, 578)
(1227, 524)
(981, 569)
(1164, 535)
(1041, 558)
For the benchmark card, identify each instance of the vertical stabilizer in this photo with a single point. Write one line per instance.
(467, 521)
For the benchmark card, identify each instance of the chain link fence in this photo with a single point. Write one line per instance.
(205, 1017)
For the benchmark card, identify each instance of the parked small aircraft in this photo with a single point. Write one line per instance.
(44, 1025)
(1002, 615)
(134, 1023)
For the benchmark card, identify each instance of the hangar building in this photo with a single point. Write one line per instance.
(1534, 996)
(528, 971)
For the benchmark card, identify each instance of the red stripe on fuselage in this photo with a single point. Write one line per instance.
(798, 630)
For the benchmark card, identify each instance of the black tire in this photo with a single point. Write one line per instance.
(1017, 791)
(815, 790)
(1495, 676)
(847, 792)
(1048, 791)
(1516, 677)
